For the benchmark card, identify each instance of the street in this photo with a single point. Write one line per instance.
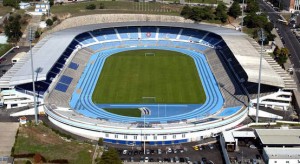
(290, 40)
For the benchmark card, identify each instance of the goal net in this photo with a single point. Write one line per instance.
(148, 100)
(149, 54)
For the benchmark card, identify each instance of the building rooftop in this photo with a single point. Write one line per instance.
(282, 152)
(279, 136)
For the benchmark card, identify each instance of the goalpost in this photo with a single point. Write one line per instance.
(149, 54)
(148, 100)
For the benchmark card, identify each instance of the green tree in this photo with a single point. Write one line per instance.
(283, 56)
(100, 141)
(37, 34)
(12, 3)
(235, 10)
(221, 12)
(252, 6)
(90, 7)
(12, 28)
(51, 2)
(101, 6)
(269, 26)
(253, 21)
(111, 156)
(186, 12)
(49, 22)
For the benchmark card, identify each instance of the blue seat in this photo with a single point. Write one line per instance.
(66, 79)
(61, 87)
(73, 65)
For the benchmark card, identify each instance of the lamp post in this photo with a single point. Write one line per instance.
(261, 38)
(30, 38)
(242, 15)
(144, 111)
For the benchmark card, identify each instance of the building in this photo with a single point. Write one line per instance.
(42, 7)
(24, 5)
(289, 5)
(274, 155)
(278, 137)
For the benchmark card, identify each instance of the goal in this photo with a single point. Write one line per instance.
(149, 54)
(148, 100)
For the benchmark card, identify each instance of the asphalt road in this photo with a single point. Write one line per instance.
(290, 40)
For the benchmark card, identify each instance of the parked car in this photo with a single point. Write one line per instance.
(131, 159)
(159, 151)
(147, 151)
(169, 150)
(146, 159)
(211, 146)
(125, 152)
(176, 159)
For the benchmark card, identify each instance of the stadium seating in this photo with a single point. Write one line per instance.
(73, 66)
(114, 40)
(148, 32)
(85, 38)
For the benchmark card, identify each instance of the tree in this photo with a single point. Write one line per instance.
(37, 34)
(12, 28)
(49, 22)
(281, 55)
(186, 12)
(101, 6)
(253, 20)
(221, 12)
(111, 156)
(252, 6)
(235, 10)
(100, 141)
(12, 3)
(90, 7)
(269, 26)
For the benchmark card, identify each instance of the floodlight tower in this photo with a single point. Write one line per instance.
(261, 37)
(30, 38)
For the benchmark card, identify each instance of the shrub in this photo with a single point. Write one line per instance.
(100, 142)
(90, 7)
(49, 22)
(37, 35)
(101, 6)
(54, 18)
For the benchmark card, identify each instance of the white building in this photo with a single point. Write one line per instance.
(42, 8)
(24, 5)
(276, 155)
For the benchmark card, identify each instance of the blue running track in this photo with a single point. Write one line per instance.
(81, 100)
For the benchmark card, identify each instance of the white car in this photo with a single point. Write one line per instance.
(146, 159)
(125, 152)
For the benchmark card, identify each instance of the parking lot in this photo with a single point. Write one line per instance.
(184, 153)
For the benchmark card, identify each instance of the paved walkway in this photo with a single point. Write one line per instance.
(34, 24)
(8, 132)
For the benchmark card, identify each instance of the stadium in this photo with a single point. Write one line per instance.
(195, 80)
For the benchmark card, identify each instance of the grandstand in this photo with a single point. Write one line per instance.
(71, 73)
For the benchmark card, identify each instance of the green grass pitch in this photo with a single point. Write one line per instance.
(170, 77)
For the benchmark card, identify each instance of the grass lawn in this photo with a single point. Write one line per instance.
(131, 112)
(113, 7)
(4, 10)
(4, 48)
(40, 139)
(170, 77)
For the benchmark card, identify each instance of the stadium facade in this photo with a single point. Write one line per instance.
(66, 69)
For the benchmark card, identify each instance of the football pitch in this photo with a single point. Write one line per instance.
(134, 77)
